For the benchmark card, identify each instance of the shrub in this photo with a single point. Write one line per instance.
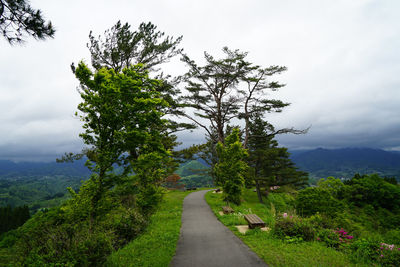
(366, 249)
(293, 226)
(389, 255)
(392, 236)
(329, 237)
(9, 238)
(311, 200)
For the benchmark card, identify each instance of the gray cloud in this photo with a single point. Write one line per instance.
(342, 59)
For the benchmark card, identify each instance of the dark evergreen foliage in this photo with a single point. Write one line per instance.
(228, 88)
(18, 18)
(122, 47)
(271, 165)
(12, 218)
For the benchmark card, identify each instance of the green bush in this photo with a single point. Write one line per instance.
(392, 237)
(390, 255)
(311, 200)
(329, 237)
(294, 226)
(365, 249)
(9, 238)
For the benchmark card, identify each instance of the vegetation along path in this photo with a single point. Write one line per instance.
(204, 241)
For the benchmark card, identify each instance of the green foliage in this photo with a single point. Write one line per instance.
(275, 251)
(390, 255)
(18, 18)
(123, 127)
(9, 238)
(68, 235)
(12, 218)
(315, 199)
(122, 47)
(293, 226)
(217, 90)
(37, 191)
(231, 167)
(194, 174)
(156, 245)
(392, 236)
(190, 168)
(365, 250)
(122, 114)
(329, 237)
(270, 164)
(373, 190)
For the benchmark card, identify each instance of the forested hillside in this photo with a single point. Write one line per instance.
(344, 163)
(194, 174)
(23, 170)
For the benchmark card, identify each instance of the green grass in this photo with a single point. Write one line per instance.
(156, 245)
(273, 251)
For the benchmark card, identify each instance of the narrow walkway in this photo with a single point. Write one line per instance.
(206, 242)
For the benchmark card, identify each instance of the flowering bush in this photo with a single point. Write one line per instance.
(389, 255)
(329, 237)
(334, 238)
(343, 235)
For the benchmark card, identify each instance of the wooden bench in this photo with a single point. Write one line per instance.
(254, 221)
(227, 210)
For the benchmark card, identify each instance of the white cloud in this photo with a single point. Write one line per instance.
(342, 59)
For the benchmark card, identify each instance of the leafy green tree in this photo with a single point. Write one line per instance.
(315, 199)
(270, 164)
(123, 123)
(231, 167)
(18, 18)
(333, 185)
(226, 89)
(121, 47)
(373, 190)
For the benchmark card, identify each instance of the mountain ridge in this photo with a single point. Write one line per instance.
(345, 162)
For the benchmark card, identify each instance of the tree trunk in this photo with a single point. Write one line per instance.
(259, 192)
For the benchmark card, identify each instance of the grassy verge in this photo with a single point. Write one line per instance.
(274, 251)
(156, 245)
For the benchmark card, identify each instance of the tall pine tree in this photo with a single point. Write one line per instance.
(270, 164)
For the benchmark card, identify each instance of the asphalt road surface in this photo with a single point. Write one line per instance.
(206, 242)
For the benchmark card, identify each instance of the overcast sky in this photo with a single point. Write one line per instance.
(343, 64)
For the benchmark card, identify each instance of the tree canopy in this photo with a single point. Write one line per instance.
(121, 47)
(270, 164)
(230, 88)
(18, 19)
(231, 167)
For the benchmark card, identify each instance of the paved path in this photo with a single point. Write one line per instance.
(206, 242)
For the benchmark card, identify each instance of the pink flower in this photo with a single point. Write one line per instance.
(381, 255)
(285, 215)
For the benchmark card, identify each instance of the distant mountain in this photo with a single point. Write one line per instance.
(194, 174)
(345, 162)
(9, 169)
